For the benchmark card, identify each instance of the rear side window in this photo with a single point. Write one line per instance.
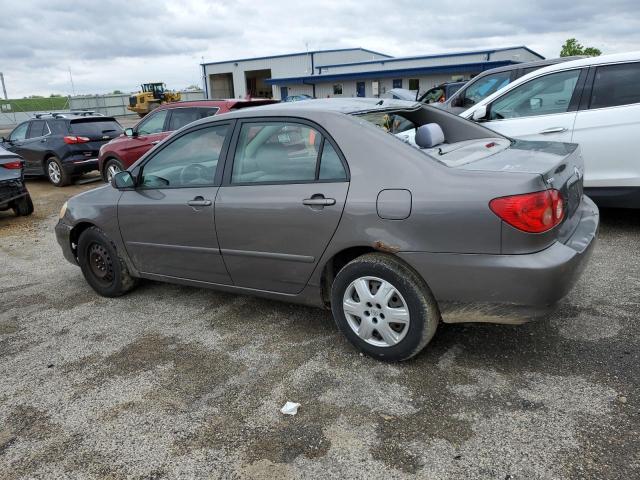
(38, 129)
(58, 127)
(331, 167)
(95, 129)
(183, 116)
(616, 85)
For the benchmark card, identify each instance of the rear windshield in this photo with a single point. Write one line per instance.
(389, 121)
(95, 128)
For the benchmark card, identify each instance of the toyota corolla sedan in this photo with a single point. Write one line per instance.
(394, 214)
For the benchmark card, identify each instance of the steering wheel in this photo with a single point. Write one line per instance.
(192, 172)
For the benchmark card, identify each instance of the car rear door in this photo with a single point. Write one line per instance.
(167, 222)
(544, 108)
(607, 126)
(284, 189)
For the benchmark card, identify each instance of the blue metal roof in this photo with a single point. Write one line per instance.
(439, 55)
(298, 54)
(462, 67)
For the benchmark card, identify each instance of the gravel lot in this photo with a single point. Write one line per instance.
(177, 382)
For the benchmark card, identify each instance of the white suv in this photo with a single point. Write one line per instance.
(594, 102)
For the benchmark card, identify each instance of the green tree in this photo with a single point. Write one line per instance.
(571, 47)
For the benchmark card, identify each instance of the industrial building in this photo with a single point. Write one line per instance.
(351, 72)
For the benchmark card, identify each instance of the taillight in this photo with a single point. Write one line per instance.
(71, 139)
(531, 212)
(12, 165)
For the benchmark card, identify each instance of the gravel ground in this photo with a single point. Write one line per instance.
(177, 382)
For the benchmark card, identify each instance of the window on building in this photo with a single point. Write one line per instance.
(397, 83)
(414, 84)
(337, 89)
(616, 85)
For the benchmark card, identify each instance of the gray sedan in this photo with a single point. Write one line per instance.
(394, 214)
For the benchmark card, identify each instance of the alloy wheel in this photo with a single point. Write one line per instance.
(53, 169)
(112, 169)
(376, 311)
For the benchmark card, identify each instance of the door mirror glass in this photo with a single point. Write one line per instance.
(122, 180)
(129, 132)
(535, 103)
(480, 113)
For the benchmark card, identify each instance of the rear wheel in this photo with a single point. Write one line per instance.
(23, 206)
(102, 267)
(112, 167)
(56, 173)
(383, 307)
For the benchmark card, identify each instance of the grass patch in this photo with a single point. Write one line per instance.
(35, 104)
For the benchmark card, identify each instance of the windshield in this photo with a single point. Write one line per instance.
(484, 87)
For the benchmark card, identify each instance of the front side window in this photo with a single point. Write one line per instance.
(188, 161)
(154, 123)
(616, 85)
(19, 133)
(544, 95)
(483, 87)
(284, 152)
(183, 116)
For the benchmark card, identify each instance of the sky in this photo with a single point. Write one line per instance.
(118, 44)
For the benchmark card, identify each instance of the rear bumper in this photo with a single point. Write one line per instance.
(11, 190)
(508, 288)
(63, 235)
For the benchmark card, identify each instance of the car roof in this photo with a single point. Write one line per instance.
(228, 103)
(536, 63)
(582, 62)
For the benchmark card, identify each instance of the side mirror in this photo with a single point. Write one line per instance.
(129, 132)
(535, 103)
(479, 114)
(123, 180)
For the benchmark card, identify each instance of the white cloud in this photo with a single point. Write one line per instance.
(117, 44)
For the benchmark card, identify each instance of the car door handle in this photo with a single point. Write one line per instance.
(319, 201)
(199, 202)
(553, 130)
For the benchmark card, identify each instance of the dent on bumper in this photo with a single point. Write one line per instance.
(63, 235)
(508, 288)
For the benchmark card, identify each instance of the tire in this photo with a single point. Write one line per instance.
(55, 173)
(23, 206)
(112, 167)
(405, 292)
(102, 267)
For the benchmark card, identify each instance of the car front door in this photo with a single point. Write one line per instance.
(280, 203)
(34, 147)
(167, 222)
(607, 126)
(544, 108)
(17, 139)
(146, 134)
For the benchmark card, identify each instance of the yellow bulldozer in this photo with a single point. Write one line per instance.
(151, 97)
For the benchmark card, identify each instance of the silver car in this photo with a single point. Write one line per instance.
(394, 214)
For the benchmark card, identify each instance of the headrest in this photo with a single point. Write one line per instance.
(429, 135)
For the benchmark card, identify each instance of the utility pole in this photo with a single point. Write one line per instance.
(73, 87)
(4, 89)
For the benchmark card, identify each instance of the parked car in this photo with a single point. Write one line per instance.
(296, 202)
(61, 146)
(122, 152)
(594, 102)
(489, 82)
(13, 192)
(437, 94)
(298, 98)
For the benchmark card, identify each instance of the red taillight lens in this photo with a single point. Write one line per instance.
(12, 165)
(71, 139)
(531, 212)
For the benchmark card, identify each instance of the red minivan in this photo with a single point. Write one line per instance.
(123, 151)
